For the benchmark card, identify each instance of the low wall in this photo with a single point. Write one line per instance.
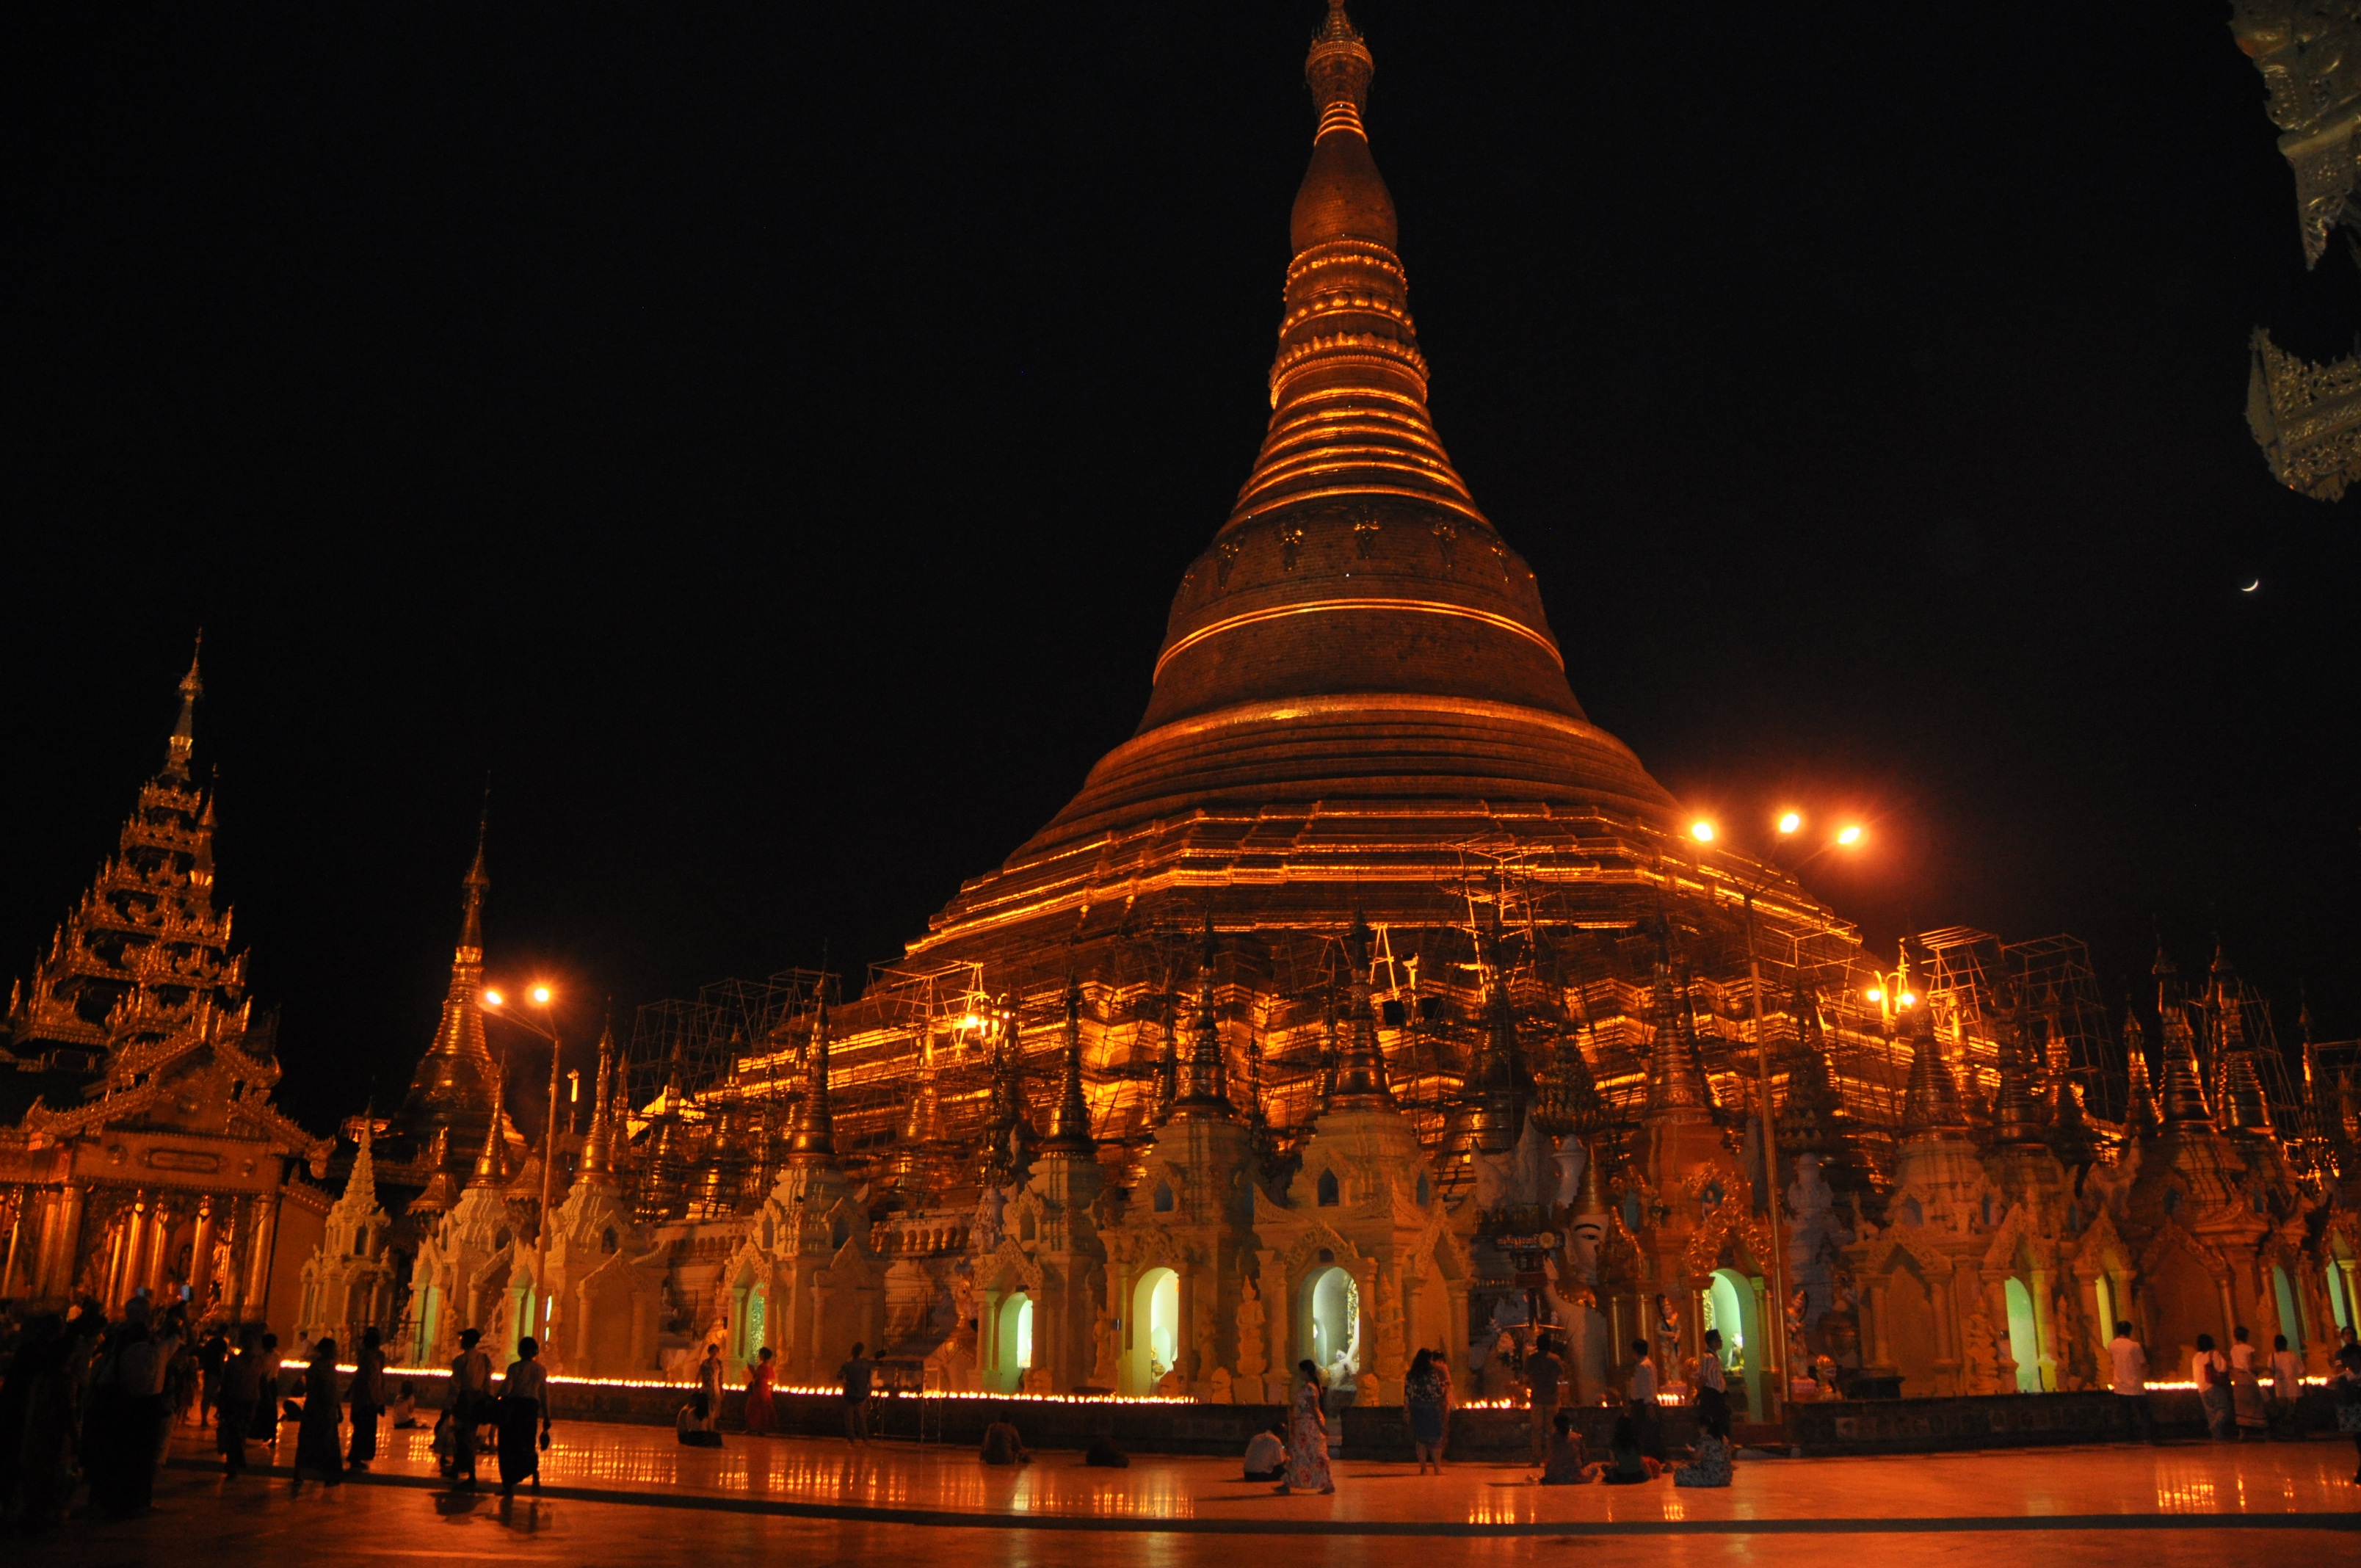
(2016, 1420)
(1381, 1433)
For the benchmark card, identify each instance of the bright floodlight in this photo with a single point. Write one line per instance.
(1849, 835)
(1874, 994)
(541, 995)
(1790, 822)
(1701, 830)
(1908, 999)
(493, 999)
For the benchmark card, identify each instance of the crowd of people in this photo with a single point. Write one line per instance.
(89, 1402)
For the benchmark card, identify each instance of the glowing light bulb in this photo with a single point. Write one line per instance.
(1874, 994)
(1701, 830)
(1849, 835)
(1790, 822)
(493, 999)
(540, 996)
(1908, 999)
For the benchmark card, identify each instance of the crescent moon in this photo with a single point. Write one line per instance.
(2250, 588)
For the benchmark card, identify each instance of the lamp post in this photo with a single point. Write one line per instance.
(1849, 836)
(539, 995)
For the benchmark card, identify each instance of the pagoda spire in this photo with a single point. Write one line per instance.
(455, 1078)
(598, 1152)
(1360, 1082)
(1069, 1119)
(2238, 1091)
(361, 1187)
(813, 1141)
(2184, 1085)
(2016, 1117)
(184, 732)
(1676, 1082)
(493, 1160)
(1490, 1107)
(2139, 1099)
(1205, 1076)
(1930, 1108)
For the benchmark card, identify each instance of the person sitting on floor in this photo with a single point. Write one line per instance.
(1000, 1443)
(405, 1405)
(693, 1426)
(1566, 1465)
(1102, 1455)
(1712, 1465)
(1266, 1454)
(1625, 1464)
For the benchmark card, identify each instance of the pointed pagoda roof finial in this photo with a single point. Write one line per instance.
(492, 1161)
(2139, 1097)
(1069, 1119)
(1204, 1073)
(1361, 1083)
(184, 730)
(1676, 1084)
(813, 1141)
(1931, 1107)
(598, 1153)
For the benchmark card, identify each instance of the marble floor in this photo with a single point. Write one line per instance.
(630, 1496)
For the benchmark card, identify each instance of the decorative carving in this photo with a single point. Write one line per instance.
(1290, 540)
(1446, 534)
(1226, 555)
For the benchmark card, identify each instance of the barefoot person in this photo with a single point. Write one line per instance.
(1423, 1393)
(854, 1374)
(762, 1410)
(524, 1415)
(1307, 1445)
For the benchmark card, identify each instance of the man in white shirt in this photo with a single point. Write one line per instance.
(1641, 1393)
(2130, 1367)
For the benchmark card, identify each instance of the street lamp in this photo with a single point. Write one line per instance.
(495, 1003)
(1789, 824)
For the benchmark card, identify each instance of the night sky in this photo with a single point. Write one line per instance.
(769, 444)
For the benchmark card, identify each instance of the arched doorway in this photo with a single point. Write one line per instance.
(1155, 1346)
(1729, 1307)
(429, 1320)
(1012, 1342)
(1331, 1318)
(2290, 1319)
(2024, 1342)
(753, 1323)
(2340, 1305)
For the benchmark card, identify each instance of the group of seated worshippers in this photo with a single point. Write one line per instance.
(1569, 1465)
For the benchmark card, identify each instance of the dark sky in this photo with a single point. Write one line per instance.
(769, 444)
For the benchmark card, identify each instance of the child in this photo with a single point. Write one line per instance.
(405, 1405)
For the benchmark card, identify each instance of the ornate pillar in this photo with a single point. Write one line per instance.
(2045, 1333)
(1944, 1296)
(263, 1237)
(2229, 1313)
(1184, 1352)
(60, 1240)
(16, 1237)
(1996, 1314)
(201, 1256)
(1880, 1355)
(157, 1265)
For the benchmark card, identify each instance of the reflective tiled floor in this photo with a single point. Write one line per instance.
(631, 1495)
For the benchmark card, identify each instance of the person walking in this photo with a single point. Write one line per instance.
(316, 1456)
(2286, 1377)
(213, 1357)
(264, 1428)
(854, 1376)
(1423, 1392)
(2245, 1386)
(524, 1418)
(367, 1398)
(1712, 1385)
(1544, 1373)
(2209, 1370)
(762, 1410)
(471, 1382)
(240, 1386)
(1307, 1433)
(2344, 1388)
(2128, 1362)
(708, 1381)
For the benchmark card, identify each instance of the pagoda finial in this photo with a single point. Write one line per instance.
(2184, 1085)
(361, 1187)
(184, 732)
(597, 1156)
(1361, 1083)
(2139, 1098)
(1204, 1087)
(475, 883)
(1931, 1107)
(1069, 1119)
(813, 1141)
(492, 1161)
(1677, 1081)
